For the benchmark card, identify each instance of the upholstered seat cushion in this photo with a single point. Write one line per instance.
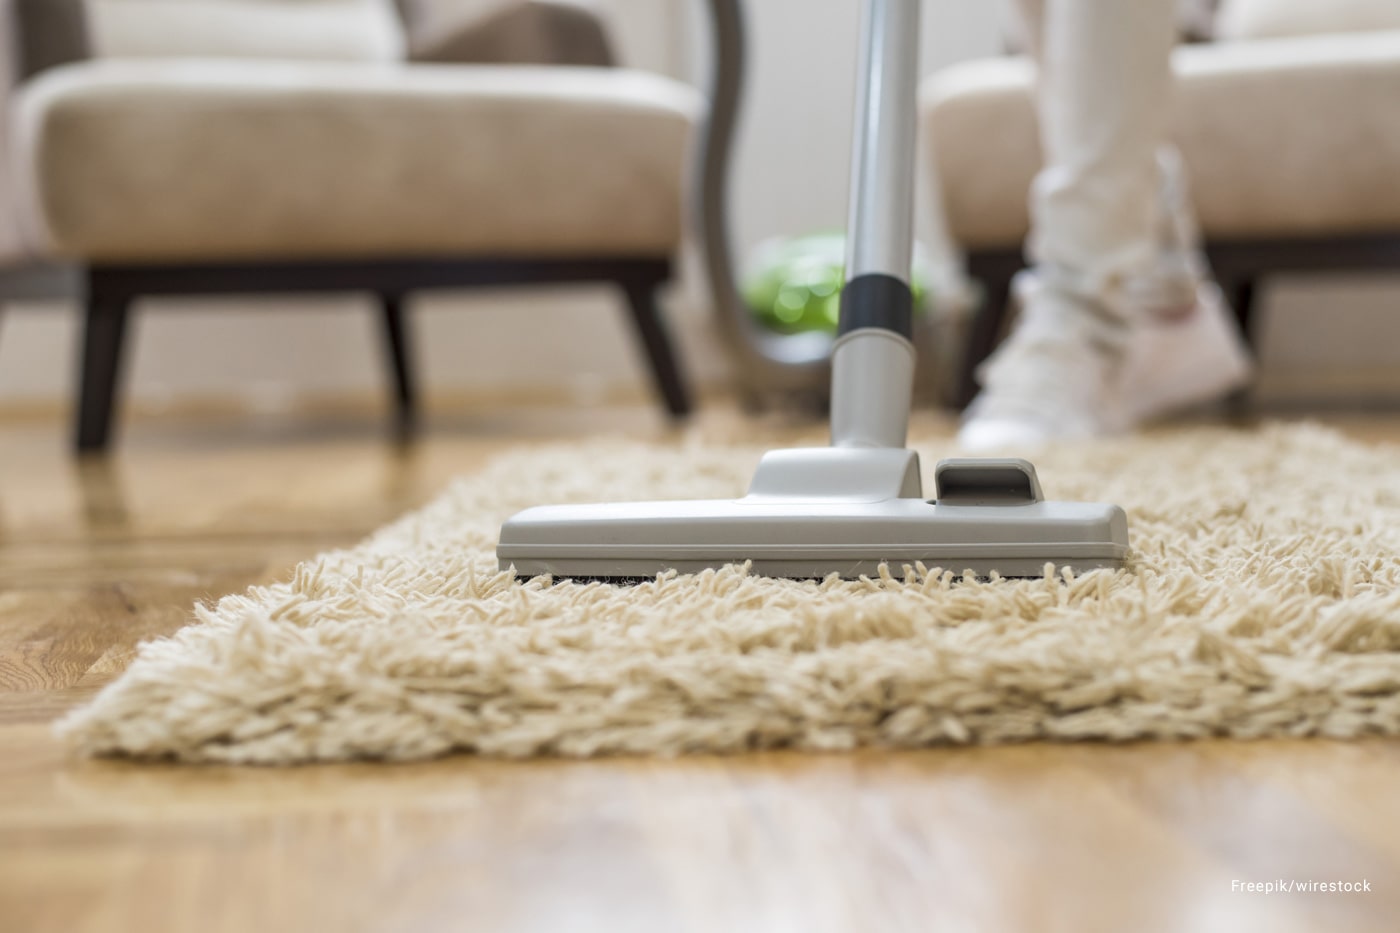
(1296, 136)
(188, 160)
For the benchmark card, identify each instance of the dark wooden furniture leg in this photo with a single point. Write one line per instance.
(987, 326)
(104, 332)
(651, 329)
(393, 314)
(1240, 293)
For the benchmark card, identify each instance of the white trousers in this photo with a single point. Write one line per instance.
(1110, 222)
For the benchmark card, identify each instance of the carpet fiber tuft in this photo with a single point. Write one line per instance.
(1261, 600)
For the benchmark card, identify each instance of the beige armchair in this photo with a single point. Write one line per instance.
(1288, 123)
(236, 146)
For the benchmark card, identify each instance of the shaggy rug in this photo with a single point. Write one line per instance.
(1261, 600)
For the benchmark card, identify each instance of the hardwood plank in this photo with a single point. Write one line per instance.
(983, 838)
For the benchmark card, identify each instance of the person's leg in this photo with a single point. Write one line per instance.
(1105, 86)
(1169, 278)
(1112, 243)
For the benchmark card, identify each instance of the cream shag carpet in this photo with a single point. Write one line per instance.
(1261, 600)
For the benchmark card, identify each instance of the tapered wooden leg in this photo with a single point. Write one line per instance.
(1241, 294)
(982, 338)
(399, 356)
(661, 355)
(104, 333)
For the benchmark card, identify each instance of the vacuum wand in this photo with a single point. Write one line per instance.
(872, 369)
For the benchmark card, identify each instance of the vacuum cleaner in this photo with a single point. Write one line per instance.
(849, 508)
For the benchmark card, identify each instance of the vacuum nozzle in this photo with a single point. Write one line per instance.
(813, 512)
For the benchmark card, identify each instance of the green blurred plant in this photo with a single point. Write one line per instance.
(795, 284)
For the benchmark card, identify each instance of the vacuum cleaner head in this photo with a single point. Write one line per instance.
(810, 513)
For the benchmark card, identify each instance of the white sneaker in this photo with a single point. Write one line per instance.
(1176, 363)
(1182, 346)
(1174, 360)
(1040, 390)
(1049, 381)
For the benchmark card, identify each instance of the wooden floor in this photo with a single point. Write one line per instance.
(94, 558)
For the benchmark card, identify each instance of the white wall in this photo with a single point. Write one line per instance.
(791, 177)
